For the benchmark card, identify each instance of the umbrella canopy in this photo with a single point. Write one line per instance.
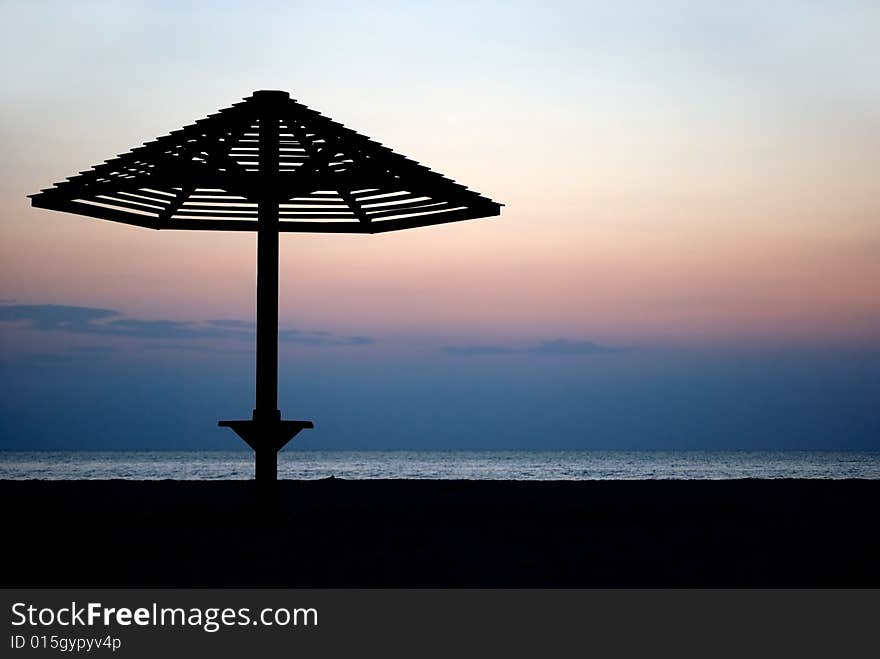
(214, 173)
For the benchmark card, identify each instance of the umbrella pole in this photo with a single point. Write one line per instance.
(266, 414)
(266, 433)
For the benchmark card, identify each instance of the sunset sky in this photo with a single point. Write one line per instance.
(688, 256)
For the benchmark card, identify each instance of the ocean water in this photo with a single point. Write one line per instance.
(474, 465)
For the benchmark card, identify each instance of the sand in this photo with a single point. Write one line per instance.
(397, 533)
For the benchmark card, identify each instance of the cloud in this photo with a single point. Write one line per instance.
(162, 329)
(232, 323)
(55, 316)
(478, 350)
(321, 338)
(358, 341)
(551, 347)
(77, 354)
(291, 335)
(109, 322)
(43, 358)
(566, 347)
(93, 350)
(90, 320)
(195, 347)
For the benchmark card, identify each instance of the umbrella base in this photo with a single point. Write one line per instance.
(266, 437)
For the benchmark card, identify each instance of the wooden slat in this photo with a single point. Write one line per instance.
(183, 212)
(250, 225)
(430, 220)
(389, 202)
(189, 224)
(317, 216)
(416, 208)
(210, 207)
(376, 195)
(145, 197)
(325, 227)
(175, 205)
(122, 203)
(314, 202)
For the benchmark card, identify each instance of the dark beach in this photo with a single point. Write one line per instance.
(398, 533)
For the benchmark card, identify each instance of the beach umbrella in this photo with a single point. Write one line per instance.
(267, 164)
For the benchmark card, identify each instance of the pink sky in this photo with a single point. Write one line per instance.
(658, 189)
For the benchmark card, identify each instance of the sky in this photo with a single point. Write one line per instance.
(687, 256)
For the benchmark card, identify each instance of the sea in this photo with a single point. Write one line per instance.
(469, 465)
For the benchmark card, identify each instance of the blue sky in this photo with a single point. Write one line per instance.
(95, 379)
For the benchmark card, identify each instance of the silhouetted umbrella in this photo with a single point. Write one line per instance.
(266, 164)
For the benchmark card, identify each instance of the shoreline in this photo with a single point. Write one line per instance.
(443, 533)
(309, 464)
